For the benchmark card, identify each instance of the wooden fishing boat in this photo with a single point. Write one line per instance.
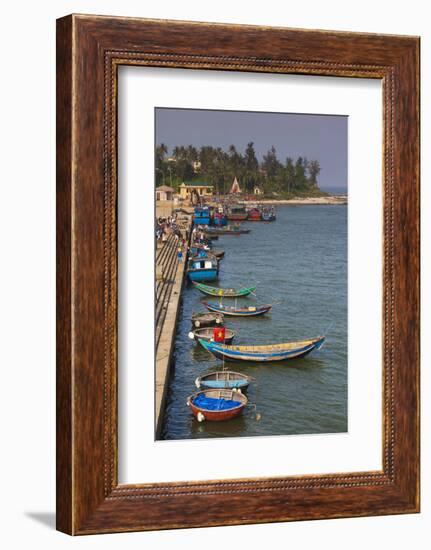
(267, 353)
(202, 269)
(207, 334)
(228, 230)
(204, 254)
(237, 213)
(218, 253)
(223, 380)
(220, 219)
(249, 311)
(201, 215)
(207, 319)
(254, 215)
(216, 404)
(224, 292)
(268, 215)
(202, 251)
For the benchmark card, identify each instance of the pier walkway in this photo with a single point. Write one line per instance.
(170, 275)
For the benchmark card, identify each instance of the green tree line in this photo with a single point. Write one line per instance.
(218, 167)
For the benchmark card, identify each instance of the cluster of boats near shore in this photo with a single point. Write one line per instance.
(221, 393)
(220, 215)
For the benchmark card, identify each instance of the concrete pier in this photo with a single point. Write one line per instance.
(170, 276)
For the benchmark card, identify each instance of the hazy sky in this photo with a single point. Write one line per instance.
(317, 137)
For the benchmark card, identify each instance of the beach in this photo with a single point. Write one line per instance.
(330, 199)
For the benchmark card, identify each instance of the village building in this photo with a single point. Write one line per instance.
(257, 190)
(235, 189)
(195, 188)
(164, 193)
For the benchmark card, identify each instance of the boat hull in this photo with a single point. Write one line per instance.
(232, 381)
(206, 334)
(237, 217)
(220, 221)
(225, 293)
(217, 415)
(225, 231)
(254, 216)
(207, 320)
(229, 353)
(253, 312)
(270, 218)
(224, 384)
(202, 275)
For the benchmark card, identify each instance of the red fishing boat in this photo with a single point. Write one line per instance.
(254, 215)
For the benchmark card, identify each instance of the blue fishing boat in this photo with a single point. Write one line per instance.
(201, 215)
(223, 380)
(202, 269)
(248, 311)
(266, 353)
(268, 215)
(220, 219)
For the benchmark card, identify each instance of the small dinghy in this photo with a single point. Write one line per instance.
(206, 319)
(218, 253)
(249, 311)
(226, 379)
(200, 250)
(261, 354)
(224, 292)
(207, 334)
(216, 405)
(228, 230)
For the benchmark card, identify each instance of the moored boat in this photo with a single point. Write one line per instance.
(202, 251)
(237, 213)
(248, 311)
(224, 292)
(223, 380)
(218, 253)
(202, 268)
(265, 353)
(228, 230)
(201, 215)
(268, 215)
(206, 319)
(220, 219)
(207, 334)
(216, 404)
(254, 215)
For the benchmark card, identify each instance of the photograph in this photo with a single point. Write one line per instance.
(251, 264)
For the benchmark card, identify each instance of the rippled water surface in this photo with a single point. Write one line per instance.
(299, 263)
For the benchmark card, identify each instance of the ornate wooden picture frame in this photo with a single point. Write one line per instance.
(89, 51)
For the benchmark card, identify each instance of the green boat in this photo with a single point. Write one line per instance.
(224, 292)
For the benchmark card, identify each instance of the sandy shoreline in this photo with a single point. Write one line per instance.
(165, 208)
(332, 199)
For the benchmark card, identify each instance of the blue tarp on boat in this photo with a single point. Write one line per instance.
(212, 404)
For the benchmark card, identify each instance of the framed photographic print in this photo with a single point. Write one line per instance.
(237, 274)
